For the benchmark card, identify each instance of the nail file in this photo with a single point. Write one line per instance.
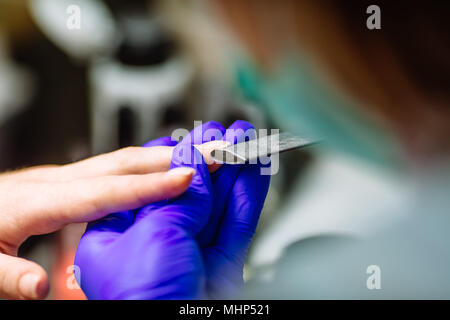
(250, 151)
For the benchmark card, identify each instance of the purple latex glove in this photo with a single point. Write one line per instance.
(190, 247)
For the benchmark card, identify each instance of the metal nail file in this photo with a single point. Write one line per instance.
(250, 151)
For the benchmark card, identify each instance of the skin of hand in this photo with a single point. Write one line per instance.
(193, 246)
(44, 199)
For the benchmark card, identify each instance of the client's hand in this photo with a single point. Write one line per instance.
(44, 199)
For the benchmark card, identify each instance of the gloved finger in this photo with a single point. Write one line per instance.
(242, 214)
(240, 131)
(208, 131)
(163, 141)
(223, 181)
(191, 210)
(105, 230)
(22, 279)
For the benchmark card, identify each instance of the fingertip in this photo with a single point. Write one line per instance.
(187, 155)
(190, 156)
(254, 181)
(242, 124)
(43, 287)
(178, 180)
(183, 172)
(213, 125)
(206, 150)
(34, 286)
(209, 131)
(238, 131)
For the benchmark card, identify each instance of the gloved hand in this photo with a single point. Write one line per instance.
(190, 247)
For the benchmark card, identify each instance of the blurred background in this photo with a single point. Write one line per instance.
(134, 70)
(127, 72)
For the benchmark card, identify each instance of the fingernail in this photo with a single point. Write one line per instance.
(29, 286)
(182, 171)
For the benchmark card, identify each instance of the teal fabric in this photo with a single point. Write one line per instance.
(297, 101)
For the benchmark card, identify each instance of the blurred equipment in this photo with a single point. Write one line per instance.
(96, 34)
(135, 71)
(133, 87)
(16, 91)
(16, 84)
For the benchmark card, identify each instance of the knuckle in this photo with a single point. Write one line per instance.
(245, 228)
(169, 234)
(91, 202)
(125, 155)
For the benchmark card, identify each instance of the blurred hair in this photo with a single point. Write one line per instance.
(400, 73)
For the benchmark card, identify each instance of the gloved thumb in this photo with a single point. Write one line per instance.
(22, 279)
